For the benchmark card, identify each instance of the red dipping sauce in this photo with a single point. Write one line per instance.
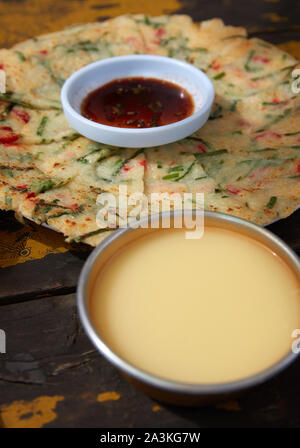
(137, 103)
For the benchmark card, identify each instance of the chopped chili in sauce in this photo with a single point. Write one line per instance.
(137, 103)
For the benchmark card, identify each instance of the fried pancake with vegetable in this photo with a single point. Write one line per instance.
(245, 159)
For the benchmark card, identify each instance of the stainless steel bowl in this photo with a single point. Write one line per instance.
(160, 388)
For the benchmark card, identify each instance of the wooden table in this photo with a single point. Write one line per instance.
(51, 375)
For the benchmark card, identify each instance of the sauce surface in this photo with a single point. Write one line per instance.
(137, 103)
(211, 310)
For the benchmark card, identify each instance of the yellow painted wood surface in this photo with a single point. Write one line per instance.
(108, 396)
(30, 414)
(29, 243)
(22, 20)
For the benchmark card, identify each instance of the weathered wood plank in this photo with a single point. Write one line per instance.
(54, 274)
(278, 37)
(255, 15)
(21, 20)
(52, 376)
(36, 261)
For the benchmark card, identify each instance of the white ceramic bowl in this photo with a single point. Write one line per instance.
(92, 76)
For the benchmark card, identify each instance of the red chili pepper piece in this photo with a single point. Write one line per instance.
(215, 66)
(268, 134)
(262, 59)
(8, 135)
(31, 195)
(24, 116)
(201, 148)
(232, 189)
(159, 32)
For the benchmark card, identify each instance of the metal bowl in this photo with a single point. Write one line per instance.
(160, 388)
